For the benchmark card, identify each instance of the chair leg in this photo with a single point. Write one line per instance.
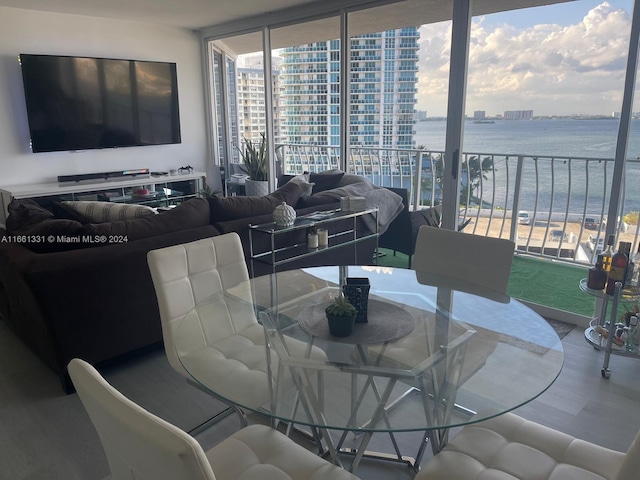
(242, 416)
(211, 421)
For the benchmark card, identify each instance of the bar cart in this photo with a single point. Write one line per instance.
(599, 334)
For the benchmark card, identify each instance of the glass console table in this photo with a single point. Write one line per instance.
(286, 244)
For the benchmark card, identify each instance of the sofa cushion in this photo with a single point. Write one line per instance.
(192, 213)
(98, 212)
(50, 235)
(315, 201)
(223, 209)
(23, 214)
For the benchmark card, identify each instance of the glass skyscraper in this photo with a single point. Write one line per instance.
(383, 91)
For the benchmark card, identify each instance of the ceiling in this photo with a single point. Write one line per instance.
(198, 14)
(191, 14)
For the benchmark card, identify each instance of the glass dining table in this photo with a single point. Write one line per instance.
(434, 353)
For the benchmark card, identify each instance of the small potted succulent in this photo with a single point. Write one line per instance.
(341, 316)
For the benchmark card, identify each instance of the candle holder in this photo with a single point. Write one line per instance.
(323, 237)
(312, 238)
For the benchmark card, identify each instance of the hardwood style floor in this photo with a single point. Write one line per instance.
(45, 434)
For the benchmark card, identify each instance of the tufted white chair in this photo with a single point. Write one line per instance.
(140, 445)
(184, 275)
(230, 343)
(510, 447)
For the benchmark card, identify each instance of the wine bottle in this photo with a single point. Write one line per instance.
(597, 277)
(618, 269)
(608, 253)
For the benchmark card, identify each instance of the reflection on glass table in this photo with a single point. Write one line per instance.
(430, 357)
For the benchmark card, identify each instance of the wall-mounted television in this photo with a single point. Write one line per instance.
(80, 103)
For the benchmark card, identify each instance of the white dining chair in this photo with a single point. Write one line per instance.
(509, 446)
(184, 275)
(460, 261)
(229, 344)
(473, 261)
(139, 444)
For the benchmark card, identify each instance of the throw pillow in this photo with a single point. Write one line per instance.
(24, 213)
(190, 214)
(98, 212)
(325, 180)
(224, 209)
(303, 181)
(284, 179)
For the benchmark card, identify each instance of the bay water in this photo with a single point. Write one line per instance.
(556, 138)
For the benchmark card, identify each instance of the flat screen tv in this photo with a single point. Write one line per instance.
(79, 103)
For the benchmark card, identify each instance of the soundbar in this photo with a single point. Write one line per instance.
(102, 176)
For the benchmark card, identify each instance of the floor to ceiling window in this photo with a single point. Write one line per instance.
(539, 80)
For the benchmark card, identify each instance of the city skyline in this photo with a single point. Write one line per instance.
(565, 59)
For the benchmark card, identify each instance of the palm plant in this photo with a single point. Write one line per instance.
(254, 157)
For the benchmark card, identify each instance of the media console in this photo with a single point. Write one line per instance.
(169, 189)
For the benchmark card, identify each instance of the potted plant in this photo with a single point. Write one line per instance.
(341, 316)
(254, 157)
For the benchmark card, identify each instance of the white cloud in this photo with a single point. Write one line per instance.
(550, 68)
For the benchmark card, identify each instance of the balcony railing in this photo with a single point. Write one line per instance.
(566, 198)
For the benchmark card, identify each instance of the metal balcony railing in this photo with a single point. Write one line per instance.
(566, 198)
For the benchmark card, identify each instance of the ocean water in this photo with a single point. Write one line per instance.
(572, 138)
(592, 139)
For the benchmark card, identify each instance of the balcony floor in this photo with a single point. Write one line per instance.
(543, 282)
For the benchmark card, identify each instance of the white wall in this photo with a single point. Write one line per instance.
(24, 31)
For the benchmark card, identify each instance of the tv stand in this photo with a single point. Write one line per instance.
(173, 189)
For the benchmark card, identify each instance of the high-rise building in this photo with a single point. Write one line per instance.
(518, 114)
(250, 95)
(383, 91)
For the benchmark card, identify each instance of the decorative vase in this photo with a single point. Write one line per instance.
(341, 325)
(256, 188)
(284, 215)
(357, 292)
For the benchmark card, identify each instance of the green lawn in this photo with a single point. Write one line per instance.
(535, 280)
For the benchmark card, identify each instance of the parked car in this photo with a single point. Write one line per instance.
(596, 244)
(591, 223)
(523, 217)
(557, 235)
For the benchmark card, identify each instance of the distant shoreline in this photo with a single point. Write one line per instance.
(551, 117)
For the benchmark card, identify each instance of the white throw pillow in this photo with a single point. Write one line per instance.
(100, 212)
